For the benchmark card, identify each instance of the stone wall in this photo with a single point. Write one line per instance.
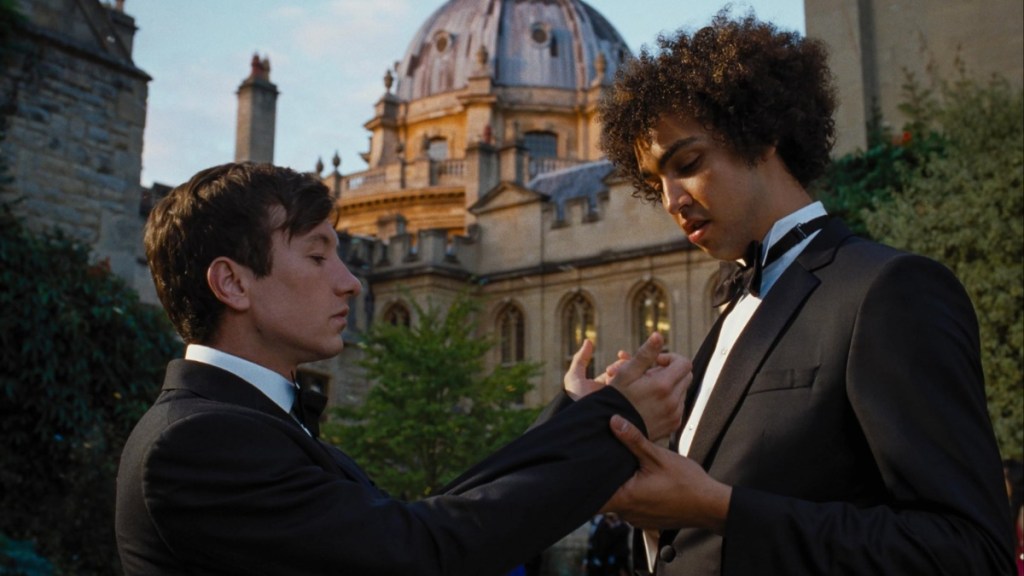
(874, 44)
(74, 140)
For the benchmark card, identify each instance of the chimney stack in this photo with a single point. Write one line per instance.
(257, 113)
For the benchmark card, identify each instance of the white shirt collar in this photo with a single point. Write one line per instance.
(773, 271)
(270, 383)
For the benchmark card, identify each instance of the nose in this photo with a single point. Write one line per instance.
(345, 283)
(674, 196)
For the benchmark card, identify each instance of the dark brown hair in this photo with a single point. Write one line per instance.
(229, 210)
(747, 83)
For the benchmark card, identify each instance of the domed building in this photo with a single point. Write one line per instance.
(484, 173)
(487, 92)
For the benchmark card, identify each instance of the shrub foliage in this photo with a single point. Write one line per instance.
(80, 360)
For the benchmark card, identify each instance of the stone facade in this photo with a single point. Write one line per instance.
(485, 176)
(538, 256)
(875, 43)
(74, 139)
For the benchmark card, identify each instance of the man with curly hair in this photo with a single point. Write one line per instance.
(837, 421)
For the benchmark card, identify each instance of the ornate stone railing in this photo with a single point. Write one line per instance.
(425, 173)
(447, 172)
(374, 178)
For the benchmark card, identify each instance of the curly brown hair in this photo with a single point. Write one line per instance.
(746, 82)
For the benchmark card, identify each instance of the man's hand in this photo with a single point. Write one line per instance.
(667, 490)
(575, 381)
(655, 383)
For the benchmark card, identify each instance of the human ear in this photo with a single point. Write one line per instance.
(229, 281)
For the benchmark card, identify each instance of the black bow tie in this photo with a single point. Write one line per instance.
(735, 278)
(308, 406)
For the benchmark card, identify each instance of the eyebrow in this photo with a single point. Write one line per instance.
(673, 148)
(318, 239)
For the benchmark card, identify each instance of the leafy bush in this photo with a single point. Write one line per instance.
(431, 413)
(965, 208)
(80, 360)
(858, 183)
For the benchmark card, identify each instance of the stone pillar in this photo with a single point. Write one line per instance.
(481, 172)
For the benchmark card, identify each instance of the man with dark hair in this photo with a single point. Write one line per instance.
(837, 423)
(221, 476)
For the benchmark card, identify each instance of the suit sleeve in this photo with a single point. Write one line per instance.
(915, 384)
(231, 493)
(559, 403)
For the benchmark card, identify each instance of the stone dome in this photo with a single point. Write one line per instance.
(518, 43)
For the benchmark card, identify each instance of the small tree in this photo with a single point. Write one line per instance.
(80, 359)
(432, 413)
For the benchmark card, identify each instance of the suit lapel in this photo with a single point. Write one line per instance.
(759, 337)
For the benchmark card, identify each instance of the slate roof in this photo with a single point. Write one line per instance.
(583, 181)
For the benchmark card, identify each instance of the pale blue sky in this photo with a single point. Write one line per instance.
(328, 58)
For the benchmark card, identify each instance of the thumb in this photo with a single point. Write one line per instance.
(633, 439)
(581, 358)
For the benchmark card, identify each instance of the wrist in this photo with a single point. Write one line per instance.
(719, 498)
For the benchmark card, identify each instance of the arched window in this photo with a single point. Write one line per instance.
(650, 313)
(511, 335)
(397, 315)
(577, 325)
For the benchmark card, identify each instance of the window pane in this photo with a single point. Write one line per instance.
(650, 314)
(577, 325)
(437, 149)
(541, 144)
(397, 315)
(510, 334)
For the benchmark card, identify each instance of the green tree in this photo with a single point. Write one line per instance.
(963, 205)
(80, 359)
(432, 412)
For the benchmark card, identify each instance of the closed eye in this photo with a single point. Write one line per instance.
(687, 168)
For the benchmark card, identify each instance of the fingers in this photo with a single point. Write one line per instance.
(581, 358)
(612, 369)
(578, 368)
(575, 381)
(646, 356)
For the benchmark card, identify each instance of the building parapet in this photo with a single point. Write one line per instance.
(425, 173)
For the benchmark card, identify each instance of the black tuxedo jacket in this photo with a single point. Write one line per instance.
(217, 479)
(850, 418)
